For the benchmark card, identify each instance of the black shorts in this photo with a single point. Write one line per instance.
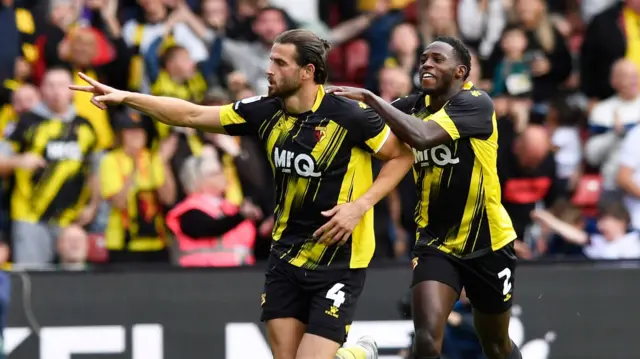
(325, 300)
(488, 279)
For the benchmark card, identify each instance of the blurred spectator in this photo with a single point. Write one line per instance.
(548, 57)
(562, 122)
(528, 177)
(439, 20)
(252, 58)
(50, 152)
(481, 23)
(18, 30)
(155, 22)
(405, 50)
(78, 51)
(629, 175)
(394, 83)
(137, 182)
(210, 231)
(513, 74)
(24, 99)
(613, 242)
(73, 248)
(609, 122)
(611, 35)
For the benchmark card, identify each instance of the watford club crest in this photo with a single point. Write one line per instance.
(320, 133)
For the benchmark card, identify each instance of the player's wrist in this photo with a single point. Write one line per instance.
(367, 97)
(364, 204)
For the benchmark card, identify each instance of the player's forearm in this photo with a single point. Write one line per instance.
(168, 110)
(411, 130)
(392, 172)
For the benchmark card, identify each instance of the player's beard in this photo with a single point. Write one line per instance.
(444, 83)
(286, 88)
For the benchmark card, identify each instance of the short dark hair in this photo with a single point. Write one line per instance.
(310, 50)
(169, 53)
(460, 51)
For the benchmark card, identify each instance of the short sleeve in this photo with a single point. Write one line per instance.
(405, 104)
(157, 169)
(630, 149)
(111, 181)
(245, 116)
(468, 114)
(372, 129)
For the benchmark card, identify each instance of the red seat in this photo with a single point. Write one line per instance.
(357, 61)
(336, 63)
(587, 194)
(98, 252)
(411, 12)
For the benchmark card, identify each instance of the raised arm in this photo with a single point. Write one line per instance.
(410, 130)
(170, 111)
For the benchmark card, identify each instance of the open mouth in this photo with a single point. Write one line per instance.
(428, 75)
(428, 78)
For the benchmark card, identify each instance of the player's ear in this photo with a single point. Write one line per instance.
(308, 71)
(461, 70)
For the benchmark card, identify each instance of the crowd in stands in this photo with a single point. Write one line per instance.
(84, 187)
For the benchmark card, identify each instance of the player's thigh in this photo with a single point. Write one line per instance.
(333, 305)
(436, 286)
(489, 282)
(285, 336)
(285, 308)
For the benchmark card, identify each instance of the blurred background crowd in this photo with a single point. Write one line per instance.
(86, 188)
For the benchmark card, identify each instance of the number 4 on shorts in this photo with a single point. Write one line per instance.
(336, 295)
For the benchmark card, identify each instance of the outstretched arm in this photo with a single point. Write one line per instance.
(468, 114)
(170, 111)
(410, 130)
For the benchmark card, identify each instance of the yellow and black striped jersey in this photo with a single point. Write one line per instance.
(320, 158)
(459, 208)
(57, 192)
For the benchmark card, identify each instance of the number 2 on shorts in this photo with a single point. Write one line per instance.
(336, 295)
(506, 275)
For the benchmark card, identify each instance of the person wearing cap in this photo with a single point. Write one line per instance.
(137, 182)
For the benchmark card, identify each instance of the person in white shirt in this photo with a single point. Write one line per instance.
(629, 175)
(614, 241)
(609, 122)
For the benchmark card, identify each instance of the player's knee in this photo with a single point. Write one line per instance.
(427, 343)
(497, 347)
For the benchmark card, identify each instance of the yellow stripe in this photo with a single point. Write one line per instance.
(376, 143)
(323, 153)
(228, 116)
(30, 52)
(138, 35)
(469, 208)
(442, 118)
(24, 21)
(11, 84)
(48, 189)
(363, 239)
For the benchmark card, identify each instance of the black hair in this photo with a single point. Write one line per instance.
(460, 51)
(310, 49)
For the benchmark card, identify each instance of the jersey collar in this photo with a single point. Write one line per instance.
(319, 98)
